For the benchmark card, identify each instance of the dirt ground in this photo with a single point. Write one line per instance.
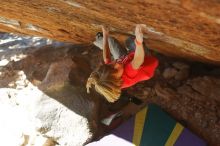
(188, 91)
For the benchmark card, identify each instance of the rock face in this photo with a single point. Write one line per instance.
(181, 28)
(56, 112)
(190, 93)
(33, 117)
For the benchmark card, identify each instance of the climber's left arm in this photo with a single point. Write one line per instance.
(139, 51)
(106, 50)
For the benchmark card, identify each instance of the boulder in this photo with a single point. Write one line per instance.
(181, 28)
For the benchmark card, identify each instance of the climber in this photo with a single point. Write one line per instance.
(126, 69)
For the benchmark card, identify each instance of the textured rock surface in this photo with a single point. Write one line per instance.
(32, 113)
(181, 28)
(191, 95)
(193, 100)
(60, 113)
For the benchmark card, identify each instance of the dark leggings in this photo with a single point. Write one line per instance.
(130, 46)
(119, 51)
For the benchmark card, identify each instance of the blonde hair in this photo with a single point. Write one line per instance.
(106, 82)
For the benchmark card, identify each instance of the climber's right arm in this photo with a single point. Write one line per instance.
(106, 50)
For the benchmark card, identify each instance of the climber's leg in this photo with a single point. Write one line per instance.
(115, 47)
(130, 45)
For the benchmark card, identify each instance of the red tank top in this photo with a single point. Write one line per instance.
(132, 76)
